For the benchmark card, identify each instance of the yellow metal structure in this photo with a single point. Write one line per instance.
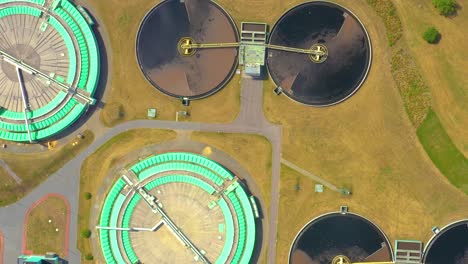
(51, 145)
(381, 262)
(321, 53)
(340, 259)
(185, 46)
(318, 53)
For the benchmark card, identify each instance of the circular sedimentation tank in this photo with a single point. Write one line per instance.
(43, 57)
(450, 245)
(194, 75)
(337, 237)
(201, 201)
(327, 79)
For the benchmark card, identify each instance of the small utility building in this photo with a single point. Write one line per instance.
(252, 49)
(49, 258)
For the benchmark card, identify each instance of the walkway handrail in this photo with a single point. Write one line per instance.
(28, 68)
(235, 45)
(149, 199)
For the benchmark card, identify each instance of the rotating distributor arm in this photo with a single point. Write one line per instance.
(133, 229)
(24, 67)
(318, 53)
(24, 94)
(188, 47)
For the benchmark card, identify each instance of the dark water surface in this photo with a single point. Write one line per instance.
(348, 47)
(337, 234)
(450, 246)
(196, 76)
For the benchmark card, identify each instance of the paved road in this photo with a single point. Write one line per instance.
(251, 115)
(66, 180)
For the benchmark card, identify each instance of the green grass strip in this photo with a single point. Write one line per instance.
(443, 153)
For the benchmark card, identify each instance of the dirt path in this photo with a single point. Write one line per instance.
(10, 172)
(310, 175)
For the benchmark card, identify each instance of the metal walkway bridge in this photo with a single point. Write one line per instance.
(189, 47)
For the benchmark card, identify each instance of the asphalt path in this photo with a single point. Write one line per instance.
(66, 180)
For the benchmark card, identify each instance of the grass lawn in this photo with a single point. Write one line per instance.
(413, 89)
(130, 94)
(394, 200)
(443, 152)
(444, 65)
(42, 236)
(34, 168)
(417, 97)
(6, 181)
(253, 153)
(96, 167)
(297, 207)
(367, 143)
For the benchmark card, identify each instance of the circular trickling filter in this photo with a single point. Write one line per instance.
(339, 68)
(177, 206)
(46, 52)
(188, 73)
(450, 245)
(340, 239)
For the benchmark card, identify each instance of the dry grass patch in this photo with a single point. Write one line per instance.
(443, 66)
(113, 114)
(96, 167)
(396, 200)
(417, 100)
(254, 154)
(34, 168)
(251, 151)
(212, 109)
(6, 181)
(366, 143)
(298, 207)
(414, 92)
(44, 236)
(130, 94)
